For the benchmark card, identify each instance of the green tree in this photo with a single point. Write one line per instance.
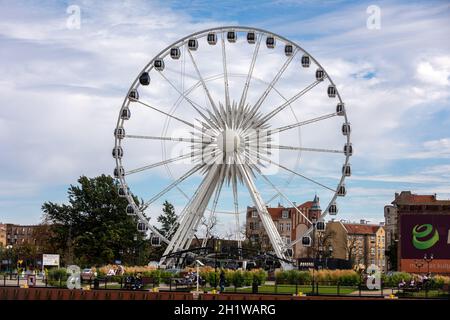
(391, 254)
(93, 228)
(168, 219)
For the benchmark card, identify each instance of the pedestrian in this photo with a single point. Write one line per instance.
(222, 281)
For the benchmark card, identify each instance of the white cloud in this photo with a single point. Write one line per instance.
(61, 89)
(435, 73)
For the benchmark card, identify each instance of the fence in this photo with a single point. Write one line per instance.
(176, 284)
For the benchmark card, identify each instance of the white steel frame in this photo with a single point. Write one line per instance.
(241, 163)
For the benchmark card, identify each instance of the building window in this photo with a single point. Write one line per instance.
(254, 225)
(254, 214)
(285, 214)
(281, 226)
(288, 226)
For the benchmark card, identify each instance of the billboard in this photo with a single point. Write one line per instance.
(425, 234)
(50, 260)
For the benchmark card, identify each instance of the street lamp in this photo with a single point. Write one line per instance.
(314, 222)
(9, 248)
(428, 260)
(418, 263)
(199, 263)
(330, 254)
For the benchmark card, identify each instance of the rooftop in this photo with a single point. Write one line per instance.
(354, 228)
(407, 197)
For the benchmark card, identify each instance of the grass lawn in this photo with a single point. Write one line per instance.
(290, 289)
(423, 294)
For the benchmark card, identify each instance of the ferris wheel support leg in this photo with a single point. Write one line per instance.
(194, 213)
(266, 219)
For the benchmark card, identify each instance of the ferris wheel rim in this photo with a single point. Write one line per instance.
(203, 33)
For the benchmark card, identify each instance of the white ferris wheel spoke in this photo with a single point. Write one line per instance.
(195, 211)
(261, 99)
(271, 114)
(208, 94)
(297, 174)
(236, 205)
(269, 225)
(250, 72)
(303, 123)
(165, 113)
(191, 140)
(194, 105)
(274, 146)
(214, 206)
(184, 215)
(283, 195)
(225, 72)
(158, 164)
(173, 184)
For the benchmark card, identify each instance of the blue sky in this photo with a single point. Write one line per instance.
(61, 89)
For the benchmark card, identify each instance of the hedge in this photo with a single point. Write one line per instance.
(332, 277)
(236, 278)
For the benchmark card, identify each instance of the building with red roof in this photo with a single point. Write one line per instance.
(290, 222)
(407, 212)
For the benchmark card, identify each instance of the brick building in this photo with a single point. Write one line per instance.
(2, 235)
(409, 210)
(362, 243)
(12, 234)
(288, 221)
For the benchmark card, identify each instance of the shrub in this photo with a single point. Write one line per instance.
(238, 279)
(438, 282)
(281, 277)
(229, 274)
(332, 277)
(304, 277)
(347, 277)
(259, 275)
(166, 276)
(212, 278)
(392, 280)
(248, 277)
(55, 277)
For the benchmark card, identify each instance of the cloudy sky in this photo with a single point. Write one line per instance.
(61, 88)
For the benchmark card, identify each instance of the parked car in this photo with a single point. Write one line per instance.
(88, 274)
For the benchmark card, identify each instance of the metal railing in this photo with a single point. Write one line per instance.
(310, 288)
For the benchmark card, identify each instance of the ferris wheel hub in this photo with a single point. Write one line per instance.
(228, 141)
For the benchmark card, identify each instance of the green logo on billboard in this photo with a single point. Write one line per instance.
(422, 231)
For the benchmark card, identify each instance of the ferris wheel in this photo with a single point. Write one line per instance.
(227, 117)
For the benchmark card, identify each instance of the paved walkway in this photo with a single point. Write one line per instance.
(372, 293)
(22, 281)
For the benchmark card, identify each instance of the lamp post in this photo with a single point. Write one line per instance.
(9, 248)
(428, 260)
(418, 263)
(330, 254)
(314, 221)
(215, 263)
(135, 238)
